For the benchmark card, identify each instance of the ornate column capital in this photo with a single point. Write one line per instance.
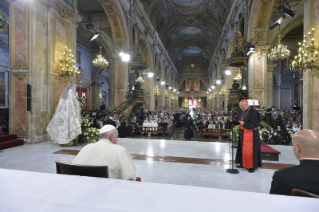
(271, 67)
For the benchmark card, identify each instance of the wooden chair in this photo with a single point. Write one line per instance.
(83, 170)
(302, 193)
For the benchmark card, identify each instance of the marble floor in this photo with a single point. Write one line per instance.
(40, 158)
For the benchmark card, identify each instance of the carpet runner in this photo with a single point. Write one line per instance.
(268, 153)
(10, 140)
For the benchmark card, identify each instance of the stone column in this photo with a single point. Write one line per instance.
(310, 104)
(257, 76)
(95, 90)
(120, 83)
(269, 85)
(39, 31)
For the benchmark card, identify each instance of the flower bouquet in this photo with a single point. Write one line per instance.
(92, 134)
(236, 134)
(85, 123)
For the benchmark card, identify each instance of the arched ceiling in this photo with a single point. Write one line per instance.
(189, 29)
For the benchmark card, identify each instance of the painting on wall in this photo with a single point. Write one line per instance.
(191, 31)
(187, 3)
(61, 40)
(19, 40)
(2, 89)
(192, 50)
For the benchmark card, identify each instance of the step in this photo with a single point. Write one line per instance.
(8, 137)
(12, 143)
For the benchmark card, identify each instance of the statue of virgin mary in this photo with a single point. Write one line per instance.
(65, 125)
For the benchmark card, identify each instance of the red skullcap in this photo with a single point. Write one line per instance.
(244, 100)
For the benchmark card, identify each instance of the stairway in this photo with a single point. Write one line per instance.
(10, 140)
(133, 104)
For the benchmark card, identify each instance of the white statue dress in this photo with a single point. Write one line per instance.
(65, 125)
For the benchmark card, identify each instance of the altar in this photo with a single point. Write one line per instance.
(32, 191)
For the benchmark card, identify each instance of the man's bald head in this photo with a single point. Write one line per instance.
(306, 144)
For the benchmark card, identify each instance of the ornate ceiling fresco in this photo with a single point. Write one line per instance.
(189, 29)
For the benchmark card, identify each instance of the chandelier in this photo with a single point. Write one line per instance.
(307, 57)
(280, 52)
(100, 61)
(68, 70)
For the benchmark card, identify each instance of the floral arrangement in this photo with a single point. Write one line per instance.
(261, 132)
(236, 134)
(85, 123)
(92, 134)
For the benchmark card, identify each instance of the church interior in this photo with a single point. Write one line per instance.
(146, 66)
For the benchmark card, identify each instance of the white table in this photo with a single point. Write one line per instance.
(32, 191)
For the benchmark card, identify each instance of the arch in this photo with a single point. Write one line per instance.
(287, 28)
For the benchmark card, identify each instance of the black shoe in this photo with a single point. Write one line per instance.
(240, 166)
(251, 170)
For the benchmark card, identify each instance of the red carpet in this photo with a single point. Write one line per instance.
(8, 141)
(268, 153)
(265, 149)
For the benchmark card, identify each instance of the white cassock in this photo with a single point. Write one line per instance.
(145, 124)
(65, 124)
(155, 124)
(104, 153)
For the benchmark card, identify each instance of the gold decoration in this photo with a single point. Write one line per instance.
(280, 52)
(306, 53)
(64, 12)
(100, 61)
(68, 70)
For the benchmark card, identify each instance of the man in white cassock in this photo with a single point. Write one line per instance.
(106, 152)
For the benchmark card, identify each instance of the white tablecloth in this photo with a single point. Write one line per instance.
(32, 191)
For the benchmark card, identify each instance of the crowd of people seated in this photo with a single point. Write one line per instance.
(201, 117)
(283, 124)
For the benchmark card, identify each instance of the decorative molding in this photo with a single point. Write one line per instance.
(64, 12)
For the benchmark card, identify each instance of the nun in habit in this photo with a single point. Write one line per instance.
(65, 125)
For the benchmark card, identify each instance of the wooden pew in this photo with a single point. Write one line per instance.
(216, 132)
(142, 130)
(197, 131)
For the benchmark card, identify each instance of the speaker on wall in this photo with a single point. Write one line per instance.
(28, 97)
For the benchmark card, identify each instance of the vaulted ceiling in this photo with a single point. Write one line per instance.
(189, 29)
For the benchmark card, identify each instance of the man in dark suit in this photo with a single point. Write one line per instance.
(304, 176)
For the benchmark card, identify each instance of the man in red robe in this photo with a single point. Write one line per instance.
(248, 151)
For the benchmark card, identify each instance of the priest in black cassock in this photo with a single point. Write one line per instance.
(248, 151)
(188, 133)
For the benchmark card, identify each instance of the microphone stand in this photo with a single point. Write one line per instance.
(232, 170)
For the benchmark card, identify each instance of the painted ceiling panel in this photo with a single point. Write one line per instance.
(188, 28)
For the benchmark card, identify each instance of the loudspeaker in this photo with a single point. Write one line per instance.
(28, 97)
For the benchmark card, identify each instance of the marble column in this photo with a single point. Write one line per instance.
(310, 104)
(39, 31)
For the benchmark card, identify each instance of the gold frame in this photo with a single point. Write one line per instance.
(12, 59)
(13, 102)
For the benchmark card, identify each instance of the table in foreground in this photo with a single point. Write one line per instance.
(32, 191)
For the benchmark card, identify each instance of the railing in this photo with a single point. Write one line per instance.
(129, 103)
